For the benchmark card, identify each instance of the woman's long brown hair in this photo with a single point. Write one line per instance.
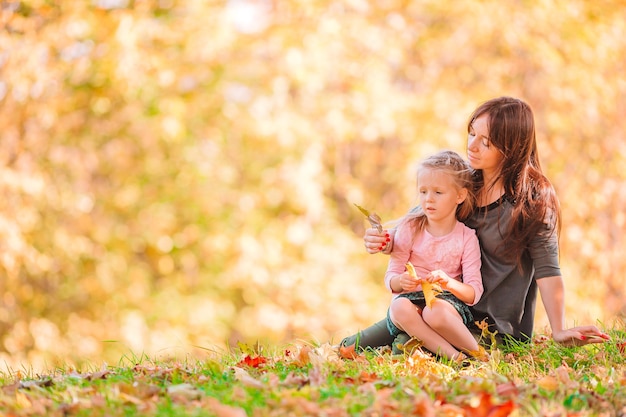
(512, 131)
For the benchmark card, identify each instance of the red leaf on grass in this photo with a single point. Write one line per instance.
(348, 352)
(252, 362)
(487, 408)
(368, 377)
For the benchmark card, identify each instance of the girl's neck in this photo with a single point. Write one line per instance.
(441, 227)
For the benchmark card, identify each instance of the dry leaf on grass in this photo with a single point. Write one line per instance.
(246, 379)
(221, 410)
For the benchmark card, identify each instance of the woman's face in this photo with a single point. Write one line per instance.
(481, 153)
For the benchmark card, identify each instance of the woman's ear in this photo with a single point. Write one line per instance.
(462, 195)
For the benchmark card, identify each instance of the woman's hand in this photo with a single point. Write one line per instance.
(375, 241)
(579, 336)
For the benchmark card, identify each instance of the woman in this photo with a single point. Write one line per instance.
(517, 222)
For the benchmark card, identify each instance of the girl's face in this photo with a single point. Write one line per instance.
(438, 194)
(481, 153)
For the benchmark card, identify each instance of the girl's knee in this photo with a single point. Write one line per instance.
(400, 308)
(440, 316)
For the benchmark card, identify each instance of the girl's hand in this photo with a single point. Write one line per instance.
(375, 241)
(408, 283)
(579, 336)
(438, 277)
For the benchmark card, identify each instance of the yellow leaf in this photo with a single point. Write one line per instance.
(430, 290)
(480, 354)
(372, 217)
(484, 327)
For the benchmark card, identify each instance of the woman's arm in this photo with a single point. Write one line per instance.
(397, 278)
(378, 242)
(553, 296)
(382, 242)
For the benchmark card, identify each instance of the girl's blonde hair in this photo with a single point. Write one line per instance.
(454, 165)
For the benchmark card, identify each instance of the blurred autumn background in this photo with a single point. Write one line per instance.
(179, 175)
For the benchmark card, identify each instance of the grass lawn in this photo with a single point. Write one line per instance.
(536, 379)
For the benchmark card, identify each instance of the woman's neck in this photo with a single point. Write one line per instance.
(491, 191)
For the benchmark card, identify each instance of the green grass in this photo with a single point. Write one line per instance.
(537, 379)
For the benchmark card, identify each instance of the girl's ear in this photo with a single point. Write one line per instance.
(462, 195)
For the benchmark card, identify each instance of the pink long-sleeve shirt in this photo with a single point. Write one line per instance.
(457, 254)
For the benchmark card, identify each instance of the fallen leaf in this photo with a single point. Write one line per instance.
(183, 392)
(317, 376)
(507, 389)
(140, 390)
(303, 356)
(562, 373)
(484, 406)
(245, 378)
(221, 410)
(548, 382)
(98, 375)
(348, 352)
(252, 362)
(423, 406)
(46, 382)
(486, 333)
(295, 380)
(411, 346)
(130, 399)
(480, 354)
(368, 377)
(327, 352)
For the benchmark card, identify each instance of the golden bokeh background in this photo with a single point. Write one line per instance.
(179, 176)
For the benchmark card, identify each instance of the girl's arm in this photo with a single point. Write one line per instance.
(403, 282)
(462, 291)
(553, 296)
(470, 264)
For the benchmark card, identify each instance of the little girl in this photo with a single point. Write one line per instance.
(442, 250)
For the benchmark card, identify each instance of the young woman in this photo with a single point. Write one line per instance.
(517, 221)
(442, 251)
